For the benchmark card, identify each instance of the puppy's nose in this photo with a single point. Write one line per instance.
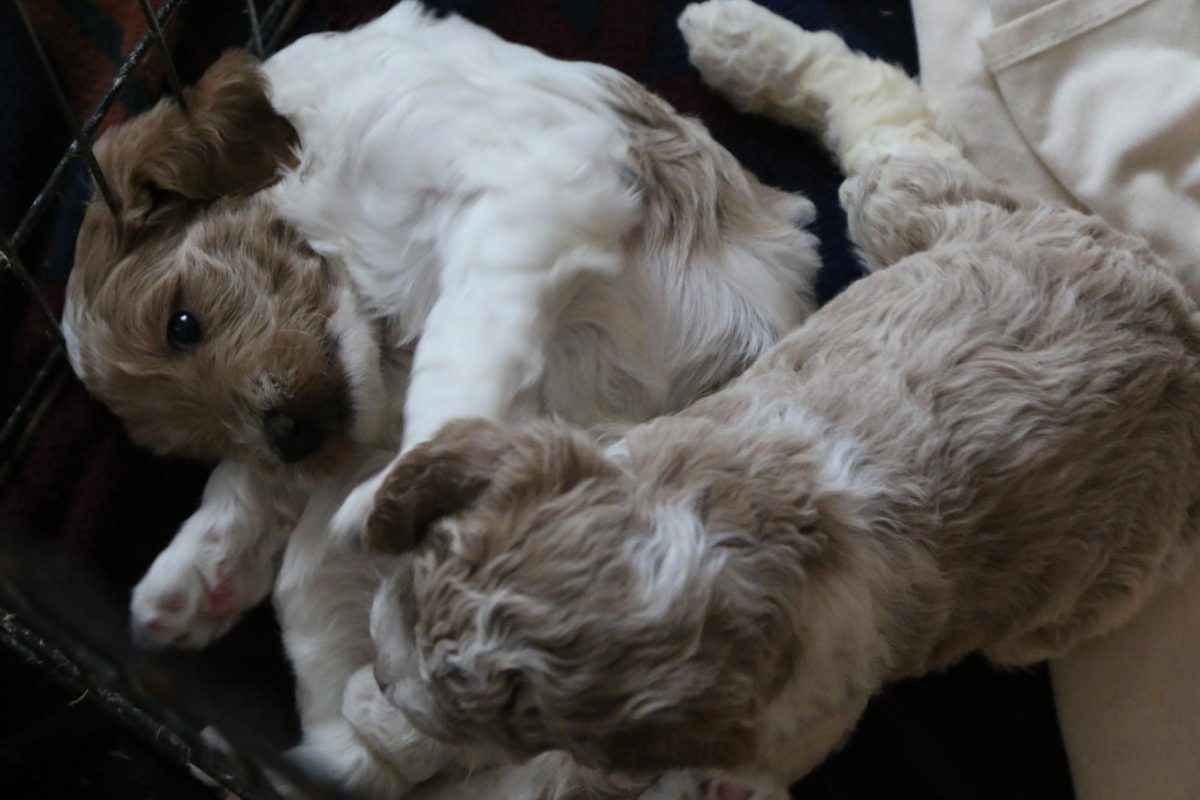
(292, 439)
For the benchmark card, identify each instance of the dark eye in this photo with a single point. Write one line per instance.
(183, 331)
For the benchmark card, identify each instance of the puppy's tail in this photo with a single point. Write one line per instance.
(863, 109)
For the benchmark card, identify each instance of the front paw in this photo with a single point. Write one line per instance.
(388, 732)
(181, 609)
(333, 752)
(191, 595)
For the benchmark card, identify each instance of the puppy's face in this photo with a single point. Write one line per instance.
(195, 313)
(216, 342)
(554, 609)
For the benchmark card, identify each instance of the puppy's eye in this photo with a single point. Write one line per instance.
(183, 331)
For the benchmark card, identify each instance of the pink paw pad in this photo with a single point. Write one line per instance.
(172, 603)
(218, 600)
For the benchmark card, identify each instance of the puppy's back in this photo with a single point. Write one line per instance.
(1034, 399)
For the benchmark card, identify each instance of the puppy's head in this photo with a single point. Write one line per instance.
(195, 313)
(558, 604)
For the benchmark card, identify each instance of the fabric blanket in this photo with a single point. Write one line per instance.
(77, 484)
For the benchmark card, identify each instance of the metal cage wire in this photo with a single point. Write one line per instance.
(124, 688)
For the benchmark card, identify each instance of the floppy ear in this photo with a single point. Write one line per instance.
(230, 141)
(435, 479)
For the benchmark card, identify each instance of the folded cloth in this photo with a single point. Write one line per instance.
(1096, 103)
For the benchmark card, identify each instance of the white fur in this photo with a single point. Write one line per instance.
(672, 560)
(797, 76)
(360, 356)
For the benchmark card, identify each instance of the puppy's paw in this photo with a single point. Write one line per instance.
(333, 751)
(723, 25)
(750, 54)
(386, 730)
(195, 590)
(393, 620)
(182, 609)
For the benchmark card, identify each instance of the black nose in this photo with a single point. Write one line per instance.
(292, 439)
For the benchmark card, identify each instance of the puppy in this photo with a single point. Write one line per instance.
(990, 444)
(330, 254)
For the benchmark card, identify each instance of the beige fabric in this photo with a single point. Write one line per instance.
(1107, 94)
(956, 78)
(1097, 103)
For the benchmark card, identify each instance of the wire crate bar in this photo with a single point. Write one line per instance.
(136, 690)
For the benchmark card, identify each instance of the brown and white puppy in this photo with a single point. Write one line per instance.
(991, 444)
(335, 251)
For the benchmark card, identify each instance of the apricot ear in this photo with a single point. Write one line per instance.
(230, 140)
(437, 479)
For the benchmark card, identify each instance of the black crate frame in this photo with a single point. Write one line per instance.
(142, 693)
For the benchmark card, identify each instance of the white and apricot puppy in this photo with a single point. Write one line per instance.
(990, 444)
(371, 233)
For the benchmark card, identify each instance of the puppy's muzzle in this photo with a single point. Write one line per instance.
(291, 438)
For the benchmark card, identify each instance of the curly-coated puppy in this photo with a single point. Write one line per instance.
(375, 232)
(990, 444)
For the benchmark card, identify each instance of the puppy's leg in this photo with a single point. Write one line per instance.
(323, 599)
(221, 563)
(510, 271)
(907, 178)
(386, 730)
(378, 723)
(863, 109)
(515, 259)
(333, 750)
